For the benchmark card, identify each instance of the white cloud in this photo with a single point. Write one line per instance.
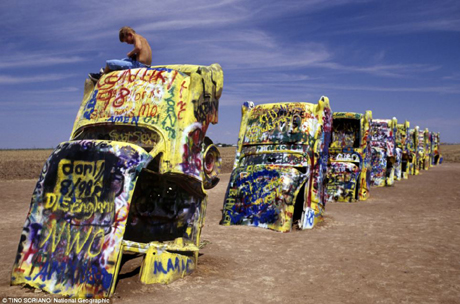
(420, 89)
(386, 70)
(8, 79)
(453, 76)
(36, 60)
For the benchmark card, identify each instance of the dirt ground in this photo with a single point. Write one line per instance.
(400, 246)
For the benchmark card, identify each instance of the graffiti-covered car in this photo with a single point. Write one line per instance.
(132, 178)
(436, 143)
(422, 150)
(413, 148)
(434, 156)
(280, 164)
(349, 168)
(403, 142)
(384, 154)
(428, 149)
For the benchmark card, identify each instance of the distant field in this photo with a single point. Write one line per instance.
(228, 157)
(451, 153)
(22, 164)
(27, 164)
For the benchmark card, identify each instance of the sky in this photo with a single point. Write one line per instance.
(397, 58)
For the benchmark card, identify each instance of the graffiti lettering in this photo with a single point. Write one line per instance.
(147, 110)
(124, 119)
(82, 176)
(90, 106)
(347, 157)
(54, 203)
(169, 121)
(144, 138)
(175, 266)
(74, 272)
(75, 239)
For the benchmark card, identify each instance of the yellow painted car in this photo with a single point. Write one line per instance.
(436, 143)
(384, 154)
(428, 149)
(421, 150)
(403, 167)
(349, 168)
(412, 144)
(132, 178)
(280, 165)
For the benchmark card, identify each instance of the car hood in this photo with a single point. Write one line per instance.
(263, 195)
(77, 218)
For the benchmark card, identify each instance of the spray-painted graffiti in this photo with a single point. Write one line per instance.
(132, 178)
(413, 148)
(163, 266)
(398, 164)
(384, 155)
(282, 123)
(422, 150)
(75, 225)
(348, 175)
(436, 142)
(342, 179)
(379, 167)
(263, 196)
(404, 144)
(278, 178)
(428, 149)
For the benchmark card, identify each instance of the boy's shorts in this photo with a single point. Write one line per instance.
(124, 64)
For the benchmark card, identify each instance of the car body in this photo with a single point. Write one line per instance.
(432, 146)
(436, 143)
(422, 160)
(349, 167)
(384, 154)
(428, 149)
(132, 178)
(403, 143)
(280, 164)
(412, 143)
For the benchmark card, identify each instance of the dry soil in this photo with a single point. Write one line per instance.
(400, 246)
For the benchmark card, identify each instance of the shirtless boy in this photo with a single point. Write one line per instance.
(140, 56)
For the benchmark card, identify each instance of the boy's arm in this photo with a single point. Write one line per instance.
(137, 47)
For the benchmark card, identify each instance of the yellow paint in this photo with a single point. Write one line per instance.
(402, 142)
(294, 133)
(164, 99)
(159, 112)
(346, 143)
(162, 266)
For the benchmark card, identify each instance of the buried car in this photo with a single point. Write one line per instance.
(132, 178)
(436, 143)
(422, 150)
(432, 146)
(428, 149)
(348, 175)
(403, 143)
(280, 165)
(384, 154)
(412, 141)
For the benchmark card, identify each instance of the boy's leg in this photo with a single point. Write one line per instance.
(116, 65)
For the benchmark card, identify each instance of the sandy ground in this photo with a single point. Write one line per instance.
(400, 246)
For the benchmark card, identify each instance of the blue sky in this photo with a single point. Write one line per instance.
(396, 58)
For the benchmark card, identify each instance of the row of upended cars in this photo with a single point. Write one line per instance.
(134, 175)
(285, 173)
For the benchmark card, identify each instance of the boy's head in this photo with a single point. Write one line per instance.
(127, 34)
